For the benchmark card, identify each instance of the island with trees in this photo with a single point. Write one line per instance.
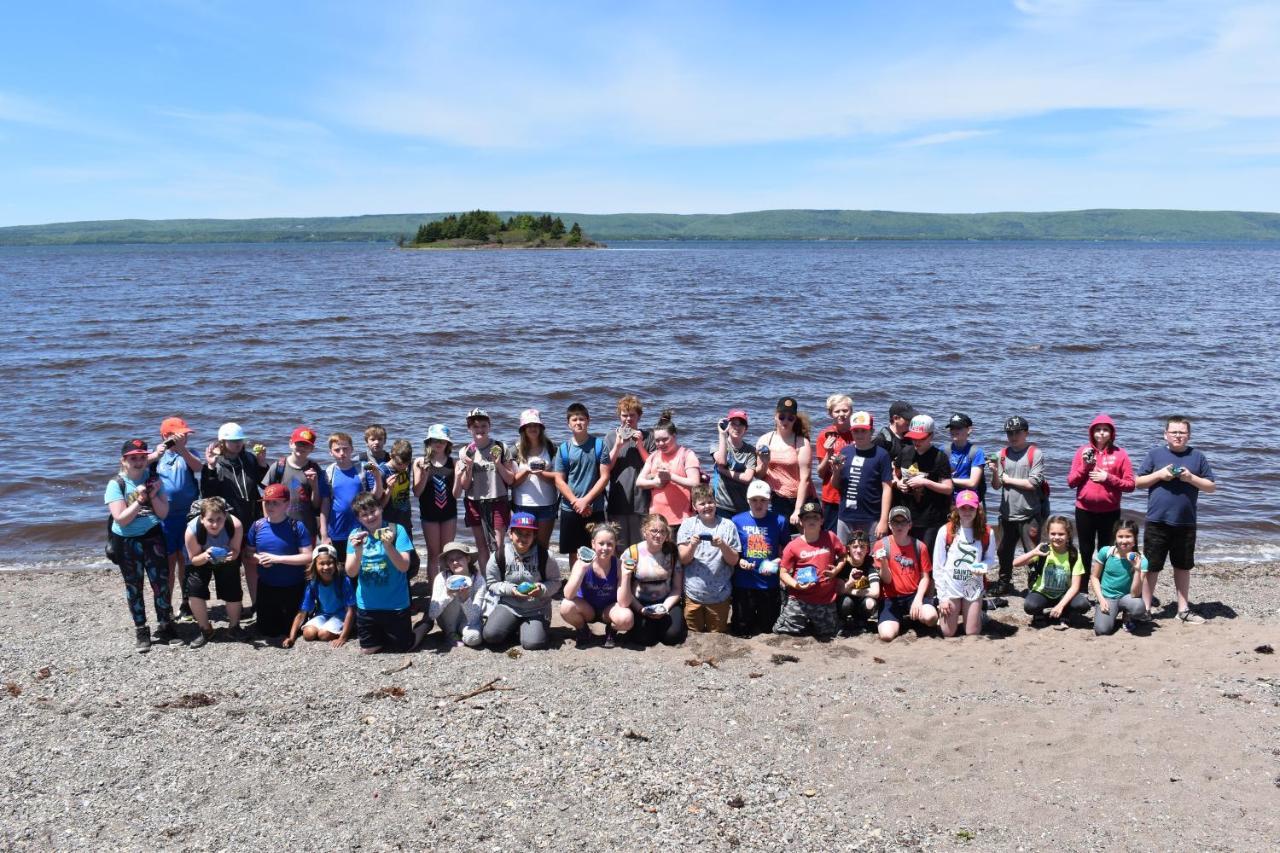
(483, 229)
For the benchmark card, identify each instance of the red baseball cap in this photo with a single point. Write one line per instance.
(738, 413)
(303, 434)
(174, 426)
(276, 492)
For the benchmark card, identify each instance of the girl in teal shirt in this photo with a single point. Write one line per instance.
(1116, 581)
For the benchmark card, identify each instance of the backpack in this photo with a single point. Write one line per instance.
(1044, 484)
(986, 537)
(333, 469)
(261, 523)
(597, 449)
(115, 542)
(501, 556)
(202, 535)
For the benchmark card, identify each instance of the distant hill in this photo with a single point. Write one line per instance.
(1131, 225)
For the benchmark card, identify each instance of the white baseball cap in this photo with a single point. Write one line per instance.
(231, 431)
(759, 489)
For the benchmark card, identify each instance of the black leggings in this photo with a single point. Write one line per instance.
(670, 630)
(1037, 604)
(144, 558)
(1010, 535)
(1095, 530)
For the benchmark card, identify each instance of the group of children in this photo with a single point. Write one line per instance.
(895, 532)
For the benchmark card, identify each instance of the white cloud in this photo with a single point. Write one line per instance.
(944, 138)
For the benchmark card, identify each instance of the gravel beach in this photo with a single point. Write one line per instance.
(1022, 739)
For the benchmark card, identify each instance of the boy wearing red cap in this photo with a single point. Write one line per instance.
(179, 471)
(307, 485)
(281, 549)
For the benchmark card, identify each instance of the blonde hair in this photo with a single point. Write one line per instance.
(836, 399)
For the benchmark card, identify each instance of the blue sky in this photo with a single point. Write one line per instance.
(194, 108)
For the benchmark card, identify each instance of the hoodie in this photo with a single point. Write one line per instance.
(1103, 496)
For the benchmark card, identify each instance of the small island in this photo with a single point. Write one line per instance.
(483, 229)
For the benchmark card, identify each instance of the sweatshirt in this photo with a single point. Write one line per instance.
(521, 569)
(1103, 496)
(472, 603)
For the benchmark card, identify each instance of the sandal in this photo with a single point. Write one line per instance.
(1190, 617)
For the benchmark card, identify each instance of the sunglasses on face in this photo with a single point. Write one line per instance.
(786, 418)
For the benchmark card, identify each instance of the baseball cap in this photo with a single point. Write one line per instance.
(900, 512)
(523, 521)
(739, 414)
(862, 420)
(276, 492)
(231, 431)
(811, 508)
(531, 416)
(439, 432)
(787, 406)
(324, 549)
(477, 414)
(174, 426)
(959, 420)
(458, 546)
(921, 427)
(901, 409)
(303, 434)
(968, 497)
(1017, 423)
(759, 489)
(134, 447)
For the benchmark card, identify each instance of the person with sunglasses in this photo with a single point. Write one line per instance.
(785, 458)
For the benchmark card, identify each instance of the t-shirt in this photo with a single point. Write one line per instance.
(672, 501)
(624, 497)
(180, 485)
(294, 479)
(822, 555)
(399, 486)
(580, 464)
(1056, 575)
(146, 517)
(486, 483)
(1117, 574)
(1022, 504)
(1173, 502)
(331, 599)
(902, 567)
(963, 461)
(284, 539)
(830, 494)
(864, 473)
(344, 486)
(222, 540)
(534, 490)
(653, 573)
(951, 565)
(731, 494)
(761, 539)
(929, 508)
(381, 585)
(707, 579)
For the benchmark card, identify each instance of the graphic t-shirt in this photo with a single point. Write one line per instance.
(381, 585)
(1117, 573)
(399, 486)
(761, 539)
(901, 567)
(1055, 576)
(301, 506)
(821, 555)
(1173, 502)
(928, 508)
(708, 579)
(146, 517)
(580, 464)
(952, 564)
(284, 539)
(731, 494)
(864, 473)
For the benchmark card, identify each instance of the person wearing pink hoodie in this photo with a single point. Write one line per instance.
(1100, 473)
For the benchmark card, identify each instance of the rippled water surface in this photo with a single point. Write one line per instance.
(106, 341)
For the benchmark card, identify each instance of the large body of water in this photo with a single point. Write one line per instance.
(104, 342)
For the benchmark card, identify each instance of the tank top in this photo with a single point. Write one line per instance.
(652, 575)
(783, 471)
(222, 540)
(437, 501)
(672, 501)
(600, 591)
(486, 483)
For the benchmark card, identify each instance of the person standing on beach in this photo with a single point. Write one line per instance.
(1174, 475)
(138, 504)
(735, 465)
(433, 474)
(307, 485)
(232, 473)
(831, 441)
(179, 472)
(1018, 472)
(347, 479)
(629, 448)
(891, 435)
(924, 484)
(1100, 473)
(864, 480)
(785, 460)
(582, 474)
(281, 549)
(533, 482)
(483, 476)
(669, 474)
(967, 461)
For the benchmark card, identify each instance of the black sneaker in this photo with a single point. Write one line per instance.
(248, 617)
(610, 637)
(202, 638)
(164, 634)
(185, 616)
(236, 634)
(143, 642)
(584, 637)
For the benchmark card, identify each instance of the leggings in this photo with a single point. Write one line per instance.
(503, 622)
(670, 630)
(1025, 531)
(1095, 529)
(144, 557)
(1105, 623)
(1038, 605)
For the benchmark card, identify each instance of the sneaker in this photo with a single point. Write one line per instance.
(1060, 625)
(164, 634)
(1000, 588)
(610, 637)
(236, 634)
(1190, 617)
(584, 636)
(202, 638)
(1144, 616)
(1128, 625)
(248, 617)
(142, 645)
(185, 616)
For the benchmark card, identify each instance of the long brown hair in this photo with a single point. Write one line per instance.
(979, 523)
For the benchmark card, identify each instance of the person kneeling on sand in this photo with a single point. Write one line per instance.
(860, 591)
(708, 547)
(458, 594)
(808, 575)
(652, 585)
(378, 560)
(1116, 581)
(591, 593)
(213, 543)
(905, 568)
(522, 579)
(964, 551)
(328, 610)
(1055, 593)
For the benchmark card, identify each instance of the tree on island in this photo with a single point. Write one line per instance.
(483, 226)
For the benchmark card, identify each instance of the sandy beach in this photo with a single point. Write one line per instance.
(1023, 739)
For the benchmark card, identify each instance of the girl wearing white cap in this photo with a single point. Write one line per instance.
(533, 485)
(433, 474)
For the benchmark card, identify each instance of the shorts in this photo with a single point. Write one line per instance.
(332, 624)
(896, 609)
(798, 616)
(573, 529)
(175, 530)
(1161, 541)
(384, 629)
(226, 575)
(497, 510)
(541, 513)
